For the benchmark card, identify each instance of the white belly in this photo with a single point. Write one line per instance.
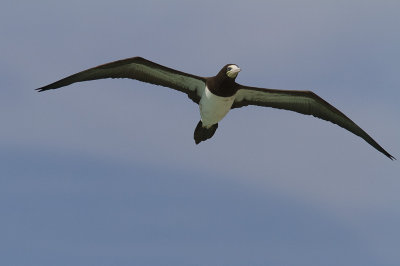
(213, 108)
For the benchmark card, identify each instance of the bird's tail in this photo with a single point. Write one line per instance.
(203, 133)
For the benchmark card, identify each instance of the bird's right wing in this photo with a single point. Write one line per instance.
(140, 69)
(304, 102)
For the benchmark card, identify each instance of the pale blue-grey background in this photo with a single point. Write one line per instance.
(107, 172)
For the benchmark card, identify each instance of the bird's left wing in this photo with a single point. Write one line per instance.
(304, 102)
(140, 69)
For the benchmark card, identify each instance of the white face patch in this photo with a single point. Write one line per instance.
(232, 71)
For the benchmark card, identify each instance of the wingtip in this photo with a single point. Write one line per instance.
(42, 89)
(390, 156)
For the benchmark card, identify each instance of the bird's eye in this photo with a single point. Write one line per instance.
(229, 68)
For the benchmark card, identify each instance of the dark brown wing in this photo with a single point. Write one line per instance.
(304, 102)
(140, 69)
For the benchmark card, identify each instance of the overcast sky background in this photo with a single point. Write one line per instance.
(107, 172)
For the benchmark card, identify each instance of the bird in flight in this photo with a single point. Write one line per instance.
(217, 95)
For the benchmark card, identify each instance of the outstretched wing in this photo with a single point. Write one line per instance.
(140, 69)
(304, 102)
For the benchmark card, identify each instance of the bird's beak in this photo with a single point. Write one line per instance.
(236, 70)
(233, 72)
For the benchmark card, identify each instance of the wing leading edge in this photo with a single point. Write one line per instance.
(140, 69)
(304, 102)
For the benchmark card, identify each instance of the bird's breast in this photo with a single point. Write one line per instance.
(213, 107)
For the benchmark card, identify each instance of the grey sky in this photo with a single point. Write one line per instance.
(107, 172)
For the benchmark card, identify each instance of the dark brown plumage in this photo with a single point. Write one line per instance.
(307, 103)
(125, 69)
(221, 84)
(218, 93)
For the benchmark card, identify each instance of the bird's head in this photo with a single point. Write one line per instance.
(231, 70)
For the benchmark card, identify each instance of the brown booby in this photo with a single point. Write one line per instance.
(217, 95)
